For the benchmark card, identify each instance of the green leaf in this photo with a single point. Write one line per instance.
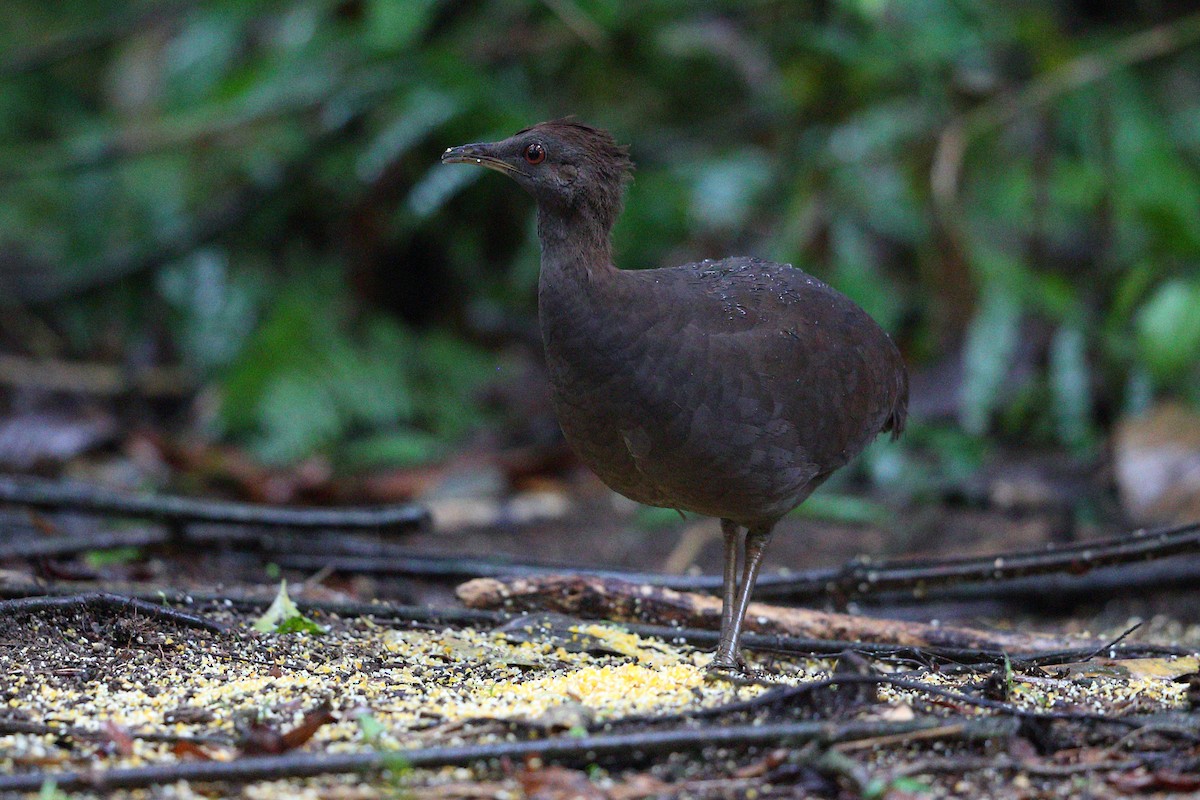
(911, 785)
(50, 791)
(1168, 331)
(842, 508)
(297, 413)
(117, 555)
(724, 191)
(1070, 385)
(399, 448)
(372, 729)
(284, 617)
(216, 309)
(987, 356)
(422, 113)
(653, 518)
(396, 24)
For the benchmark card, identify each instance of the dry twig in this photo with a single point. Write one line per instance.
(860, 578)
(108, 602)
(56, 496)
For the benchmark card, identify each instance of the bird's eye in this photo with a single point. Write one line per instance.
(535, 153)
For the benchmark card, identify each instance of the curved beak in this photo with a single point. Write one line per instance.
(480, 154)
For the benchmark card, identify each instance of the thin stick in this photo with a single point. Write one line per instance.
(563, 749)
(864, 577)
(857, 578)
(8, 726)
(52, 495)
(952, 731)
(108, 602)
(959, 765)
(43, 546)
(1113, 643)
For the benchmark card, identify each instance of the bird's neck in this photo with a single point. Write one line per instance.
(576, 250)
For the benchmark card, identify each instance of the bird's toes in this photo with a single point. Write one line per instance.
(721, 670)
(738, 672)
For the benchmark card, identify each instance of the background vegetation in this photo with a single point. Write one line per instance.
(249, 190)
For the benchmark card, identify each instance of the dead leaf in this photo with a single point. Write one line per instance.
(184, 749)
(1162, 780)
(563, 717)
(1167, 669)
(638, 787)
(42, 438)
(118, 738)
(762, 766)
(1157, 461)
(262, 739)
(558, 783)
(897, 713)
(1192, 679)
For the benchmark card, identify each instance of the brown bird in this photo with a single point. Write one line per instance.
(729, 388)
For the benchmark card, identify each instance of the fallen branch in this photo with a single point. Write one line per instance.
(1005, 575)
(56, 496)
(960, 658)
(865, 577)
(43, 546)
(9, 726)
(611, 599)
(108, 602)
(561, 749)
(1053, 594)
(961, 765)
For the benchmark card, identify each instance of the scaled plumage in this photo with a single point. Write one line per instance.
(730, 388)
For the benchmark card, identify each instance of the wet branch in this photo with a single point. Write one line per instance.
(108, 602)
(856, 579)
(55, 496)
(864, 577)
(49, 546)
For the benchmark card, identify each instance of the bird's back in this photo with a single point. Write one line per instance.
(731, 388)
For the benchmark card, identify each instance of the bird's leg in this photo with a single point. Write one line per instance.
(726, 657)
(756, 542)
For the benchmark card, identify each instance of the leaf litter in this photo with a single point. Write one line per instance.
(156, 696)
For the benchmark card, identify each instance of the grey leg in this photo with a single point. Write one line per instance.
(756, 542)
(726, 657)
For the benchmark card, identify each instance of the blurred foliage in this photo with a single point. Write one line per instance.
(252, 188)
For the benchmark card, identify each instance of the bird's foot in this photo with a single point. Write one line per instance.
(725, 665)
(735, 670)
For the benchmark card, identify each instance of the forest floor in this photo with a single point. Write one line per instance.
(387, 699)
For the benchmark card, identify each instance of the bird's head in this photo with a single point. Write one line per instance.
(567, 166)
